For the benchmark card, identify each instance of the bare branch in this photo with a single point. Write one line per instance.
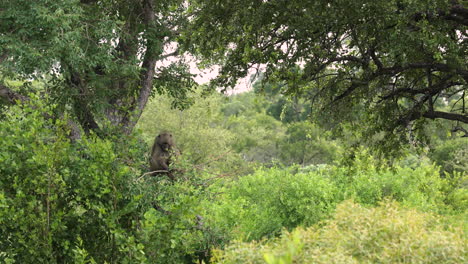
(172, 54)
(150, 173)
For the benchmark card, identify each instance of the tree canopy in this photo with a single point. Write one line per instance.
(386, 65)
(97, 57)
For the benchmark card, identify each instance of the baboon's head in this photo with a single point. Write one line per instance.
(165, 141)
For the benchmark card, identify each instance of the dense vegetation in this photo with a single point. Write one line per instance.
(90, 201)
(350, 148)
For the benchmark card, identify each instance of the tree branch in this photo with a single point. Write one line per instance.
(172, 54)
(347, 92)
(86, 2)
(461, 129)
(433, 90)
(445, 115)
(11, 96)
(459, 14)
(376, 59)
(425, 65)
(81, 106)
(3, 57)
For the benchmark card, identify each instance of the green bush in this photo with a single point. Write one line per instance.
(369, 182)
(169, 229)
(90, 201)
(451, 155)
(305, 143)
(263, 203)
(256, 136)
(87, 201)
(61, 202)
(386, 234)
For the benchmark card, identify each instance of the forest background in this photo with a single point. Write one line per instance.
(351, 147)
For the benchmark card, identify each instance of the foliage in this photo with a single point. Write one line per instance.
(90, 201)
(257, 135)
(253, 165)
(282, 107)
(385, 66)
(263, 203)
(368, 181)
(170, 227)
(61, 201)
(451, 155)
(85, 202)
(97, 59)
(306, 143)
(199, 132)
(228, 128)
(256, 132)
(385, 234)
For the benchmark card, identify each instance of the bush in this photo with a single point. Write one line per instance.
(305, 143)
(169, 228)
(61, 202)
(451, 155)
(386, 234)
(263, 203)
(85, 202)
(422, 186)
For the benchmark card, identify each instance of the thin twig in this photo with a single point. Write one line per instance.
(461, 129)
(149, 173)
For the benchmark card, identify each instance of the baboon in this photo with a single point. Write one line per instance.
(162, 153)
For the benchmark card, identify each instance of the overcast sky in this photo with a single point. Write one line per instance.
(204, 76)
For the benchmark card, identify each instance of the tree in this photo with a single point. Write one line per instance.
(99, 59)
(305, 143)
(398, 63)
(287, 108)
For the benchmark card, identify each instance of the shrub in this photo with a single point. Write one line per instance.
(85, 202)
(305, 143)
(263, 203)
(422, 186)
(61, 202)
(169, 228)
(385, 234)
(451, 155)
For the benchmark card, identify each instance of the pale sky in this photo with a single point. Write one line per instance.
(204, 76)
